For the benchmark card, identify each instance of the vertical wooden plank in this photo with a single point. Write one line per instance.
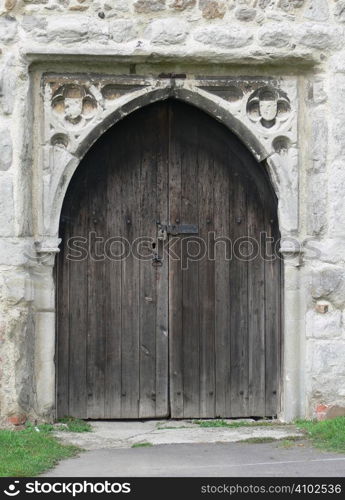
(206, 285)
(78, 308)
(96, 274)
(112, 278)
(256, 310)
(175, 275)
(187, 135)
(130, 281)
(162, 273)
(147, 193)
(63, 322)
(238, 297)
(223, 284)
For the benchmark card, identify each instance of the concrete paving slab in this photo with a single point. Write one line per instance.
(119, 434)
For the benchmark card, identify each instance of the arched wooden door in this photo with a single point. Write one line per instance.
(186, 325)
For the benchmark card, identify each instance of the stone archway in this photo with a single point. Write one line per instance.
(275, 147)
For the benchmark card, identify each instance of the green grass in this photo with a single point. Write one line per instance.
(258, 440)
(74, 425)
(328, 434)
(141, 445)
(234, 424)
(34, 450)
(29, 452)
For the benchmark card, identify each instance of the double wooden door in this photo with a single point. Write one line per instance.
(168, 296)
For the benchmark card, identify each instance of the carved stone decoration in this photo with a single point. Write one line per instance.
(74, 104)
(268, 106)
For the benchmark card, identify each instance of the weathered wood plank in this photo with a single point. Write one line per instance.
(206, 285)
(256, 309)
(175, 276)
(162, 273)
(238, 297)
(148, 285)
(63, 308)
(78, 286)
(96, 276)
(223, 305)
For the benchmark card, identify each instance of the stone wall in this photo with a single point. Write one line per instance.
(301, 40)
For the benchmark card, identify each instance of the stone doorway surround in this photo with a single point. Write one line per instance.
(76, 109)
(71, 110)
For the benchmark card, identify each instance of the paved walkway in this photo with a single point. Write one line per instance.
(205, 460)
(181, 448)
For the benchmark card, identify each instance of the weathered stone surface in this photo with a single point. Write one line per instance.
(324, 326)
(73, 30)
(122, 30)
(328, 282)
(167, 32)
(149, 5)
(10, 4)
(6, 206)
(5, 149)
(118, 6)
(228, 38)
(30, 23)
(245, 14)
(212, 9)
(317, 203)
(8, 85)
(289, 5)
(273, 35)
(318, 36)
(339, 11)
(319, 141)
(327, 361)
(317, 10)
(8, 29)
(181, 4)
(336, 204)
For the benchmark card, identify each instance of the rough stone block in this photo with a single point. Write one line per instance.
(324, 326)
(6, 206)
(230, 37)
(181, 4)
(147, 6)
(245, 14)
(336, 198)
(8, 29)
(212, 9)
(8, 85)
(167, 31)
(317, 10)
(122, 30)
(273, 35)
(339, 11)
(5, 149)
(328, 283)
(318, 36)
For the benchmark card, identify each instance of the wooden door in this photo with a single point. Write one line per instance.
(182, 334)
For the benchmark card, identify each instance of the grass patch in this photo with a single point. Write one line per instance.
(258, 440)
(74, 425)
(291, 442)
(142, 445)
(30, 452)
(328, 434)
(159, 428)
(232, 425)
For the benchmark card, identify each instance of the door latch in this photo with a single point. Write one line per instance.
(175, 229)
